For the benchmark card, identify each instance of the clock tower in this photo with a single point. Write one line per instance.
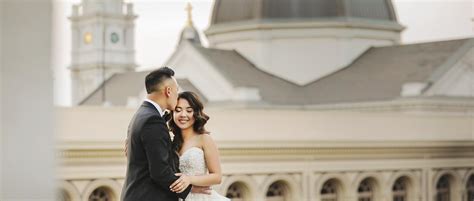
(102, 44)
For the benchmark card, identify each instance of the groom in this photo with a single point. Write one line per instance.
(151, 162)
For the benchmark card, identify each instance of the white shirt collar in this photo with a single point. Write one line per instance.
(156, 106)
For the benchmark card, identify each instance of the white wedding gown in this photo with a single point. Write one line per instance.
(192, 163)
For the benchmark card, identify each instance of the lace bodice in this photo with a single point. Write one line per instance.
(192, 162)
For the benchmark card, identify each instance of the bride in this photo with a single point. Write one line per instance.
(199, 156)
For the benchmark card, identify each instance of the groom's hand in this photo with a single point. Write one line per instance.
(181, 183)
(201, 189)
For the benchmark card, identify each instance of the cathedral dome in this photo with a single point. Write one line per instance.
(227, 11)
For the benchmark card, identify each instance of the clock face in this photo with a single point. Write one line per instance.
(114, 37)
(87, 38)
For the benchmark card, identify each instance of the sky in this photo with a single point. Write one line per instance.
(159, 23)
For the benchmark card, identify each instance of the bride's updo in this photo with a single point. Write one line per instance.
(200, 119)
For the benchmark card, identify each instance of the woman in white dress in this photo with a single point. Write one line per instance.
(199, 156)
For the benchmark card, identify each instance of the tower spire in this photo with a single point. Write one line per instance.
(189, 32)
(189, 10)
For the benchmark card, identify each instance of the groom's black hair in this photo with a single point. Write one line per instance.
(156, 77)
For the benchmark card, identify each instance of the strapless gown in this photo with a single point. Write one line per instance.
(193, 163)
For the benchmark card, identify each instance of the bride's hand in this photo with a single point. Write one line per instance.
(201, 190)
(181, 183)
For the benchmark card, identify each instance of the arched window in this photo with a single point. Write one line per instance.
(443, 189)
(62, 195)
(470, 188)
(399, 189)
(101, 194)
(237, 192)
(366, 190)
(278, 191)
(329, 191)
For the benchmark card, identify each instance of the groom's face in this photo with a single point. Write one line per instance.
(173, 98)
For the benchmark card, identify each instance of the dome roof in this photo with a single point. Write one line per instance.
(226, 11)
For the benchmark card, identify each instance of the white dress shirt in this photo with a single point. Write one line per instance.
(156, 106)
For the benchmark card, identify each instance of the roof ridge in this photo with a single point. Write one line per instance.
(423, 43)
(265, 72)
(247, 60)
(442, 69)
(97, 89)
(343, 68)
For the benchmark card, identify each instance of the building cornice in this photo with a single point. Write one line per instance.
(301, 24)
(96, 152)
(462, 105)
(99, 16)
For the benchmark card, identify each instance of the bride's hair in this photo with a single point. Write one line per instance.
(200, 119)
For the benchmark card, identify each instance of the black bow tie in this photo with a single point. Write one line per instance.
(166, 116)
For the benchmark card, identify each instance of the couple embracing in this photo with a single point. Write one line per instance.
(161, 169)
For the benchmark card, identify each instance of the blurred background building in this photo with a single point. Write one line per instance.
(309, 100)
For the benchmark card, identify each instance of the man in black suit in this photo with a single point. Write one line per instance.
(151, 162)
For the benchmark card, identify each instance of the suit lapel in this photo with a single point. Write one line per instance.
(173, 156)
(148, 106)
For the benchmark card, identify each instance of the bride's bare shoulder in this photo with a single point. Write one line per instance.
(206, 140)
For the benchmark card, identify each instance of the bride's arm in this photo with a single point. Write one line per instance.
(211, 154)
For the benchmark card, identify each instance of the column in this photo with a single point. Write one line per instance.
(27, 147)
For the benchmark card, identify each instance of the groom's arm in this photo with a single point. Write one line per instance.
(155, 137)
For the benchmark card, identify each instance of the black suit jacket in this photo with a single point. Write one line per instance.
(151, 162)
